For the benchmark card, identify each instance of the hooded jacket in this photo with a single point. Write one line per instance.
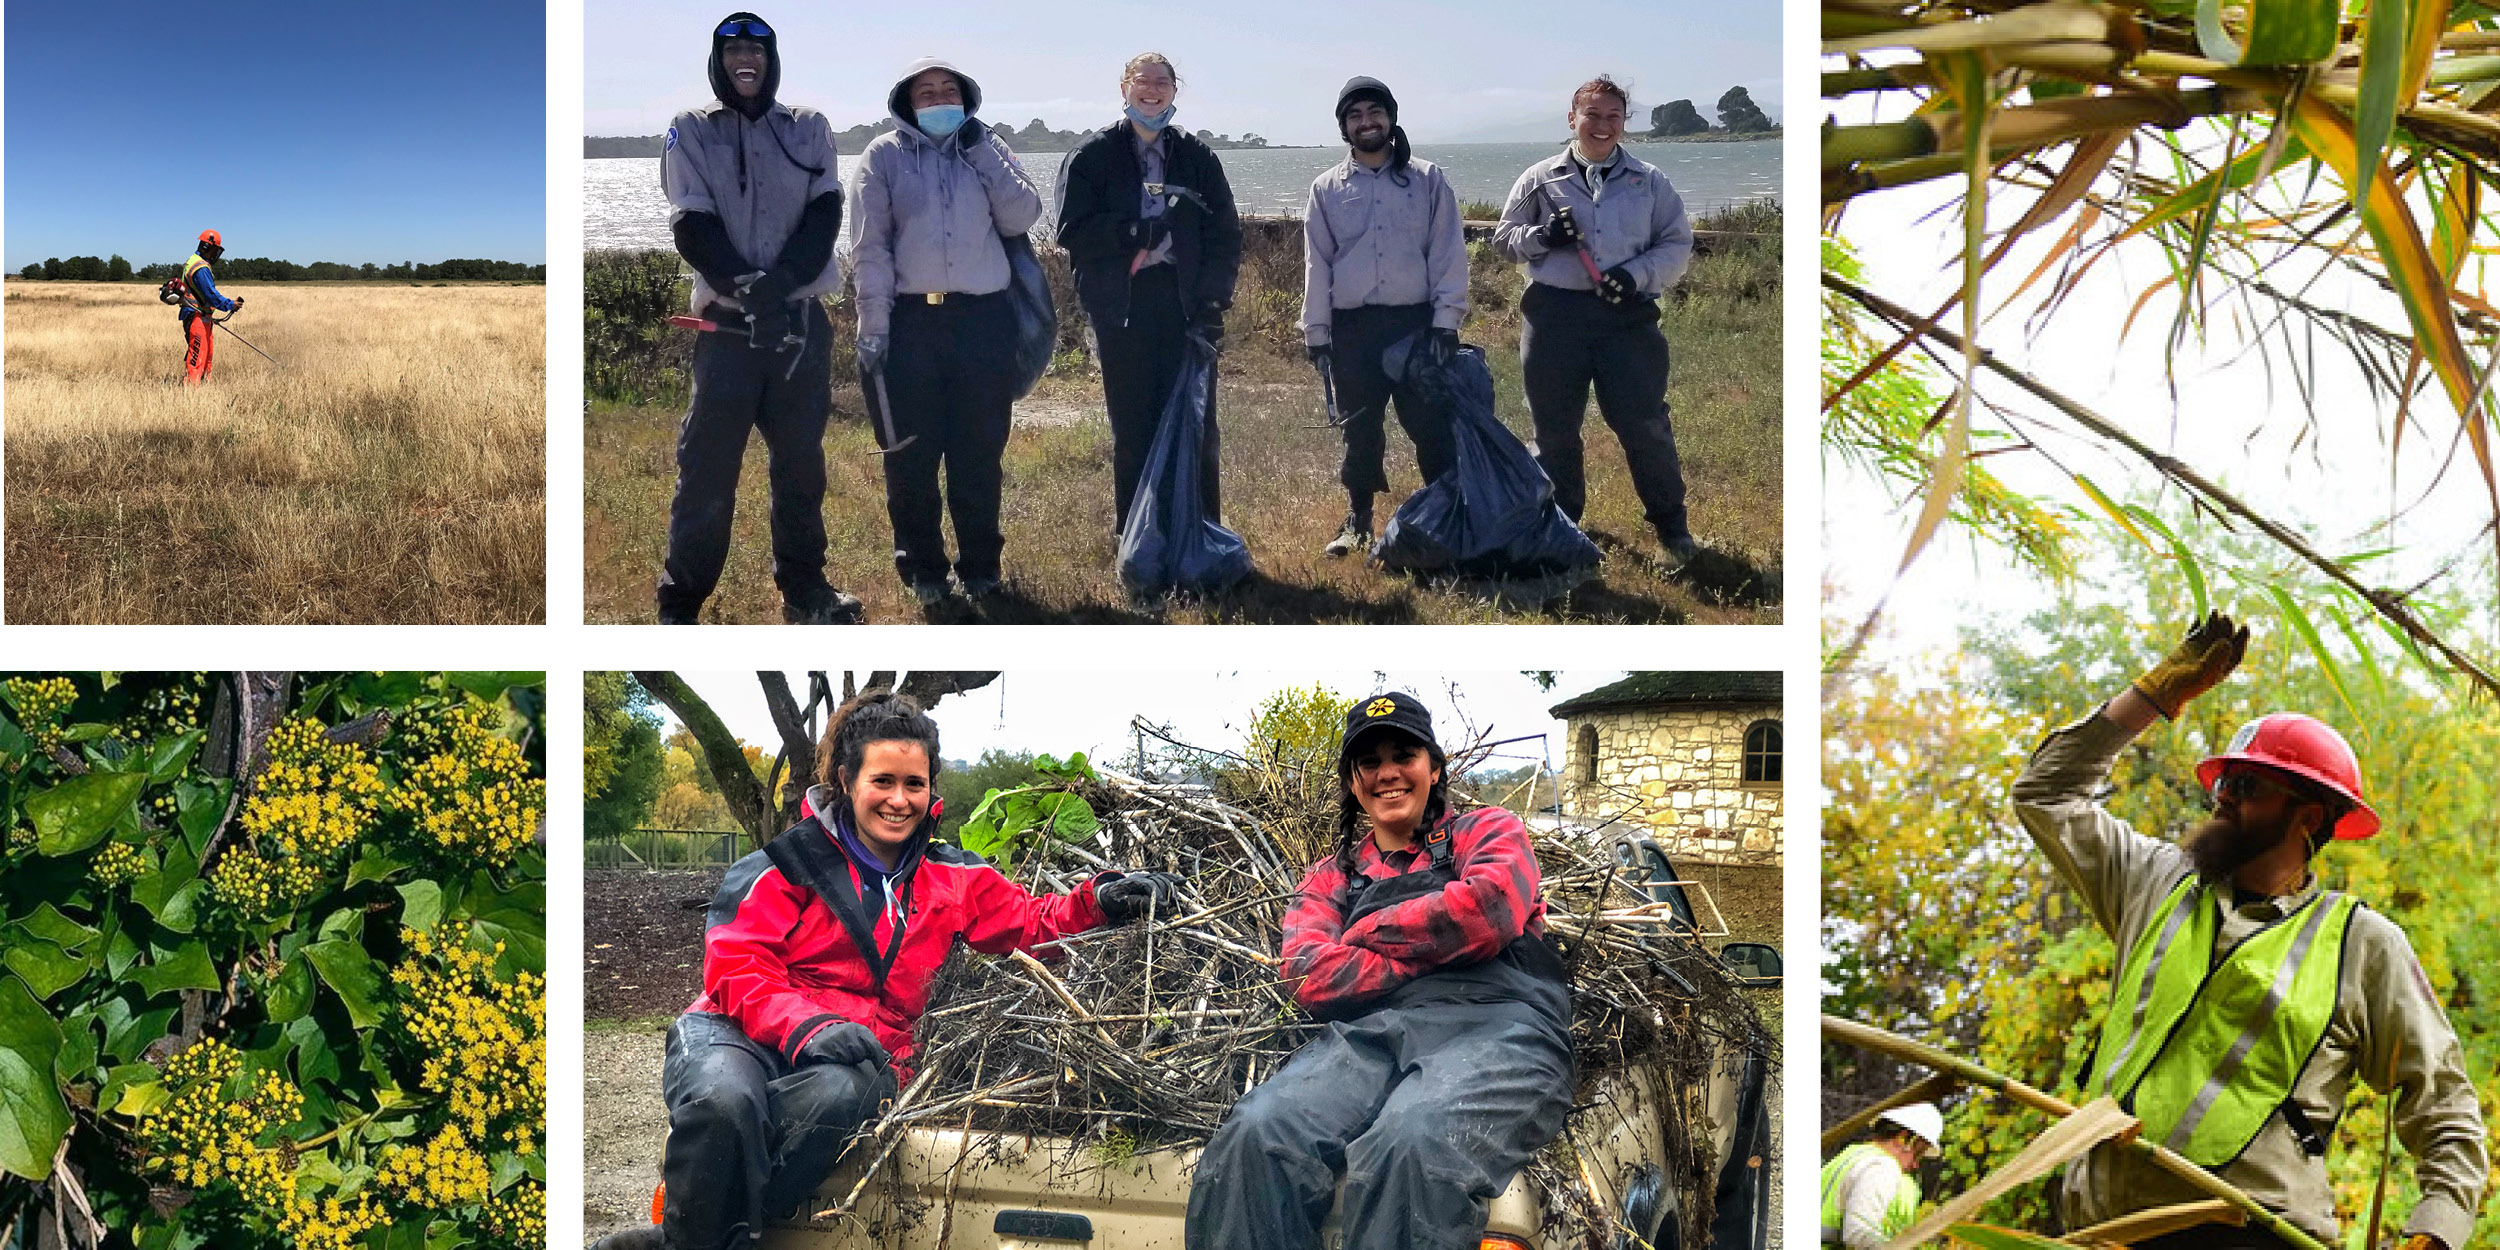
(1098, 197)
(928, 214)
(755, 167)
(784, 961)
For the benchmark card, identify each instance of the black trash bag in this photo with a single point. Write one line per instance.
(1037, 318)
(1493, 514)
(1170, 543)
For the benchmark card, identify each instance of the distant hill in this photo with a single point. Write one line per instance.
(1034, 137)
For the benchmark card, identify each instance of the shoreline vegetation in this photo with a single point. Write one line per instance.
(851, 142)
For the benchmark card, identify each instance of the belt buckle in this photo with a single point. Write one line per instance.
(935, 297)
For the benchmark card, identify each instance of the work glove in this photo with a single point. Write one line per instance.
(842, 1042)
(1561, 230)
(1618, 286)
(1123, 897)
(871, 353)
(2210, 651)
(765, 288)
(1444, 347)
(769, 326)
(1208, 325)
(1323, 356)
(238, 301)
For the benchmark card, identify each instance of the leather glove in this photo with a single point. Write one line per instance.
(843, 1042)
(238, 301)
(1618, 285)
(1444, 347)
(2212, 648)
(1124, 896)
(1322, 356)
(1208, 325)
(767, 327)
(765, 288)
(871, 353)
(1561, 230)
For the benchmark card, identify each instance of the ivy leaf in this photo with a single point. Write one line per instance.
(290, 993)
(372, 865)
(33, 1116)
(421, 904)
(174, 755)
(47, 968)
(78, 1050)
(351, 973)
(155, 891)
(125, 1081)
(48, 923)
(13, 743)
(202, 808)
(127, 1032)
(76, 814)
(490, 686)
(187, 968)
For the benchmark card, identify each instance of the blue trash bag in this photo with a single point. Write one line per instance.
(1493, 514)
(1037, 318)
(1170, 543)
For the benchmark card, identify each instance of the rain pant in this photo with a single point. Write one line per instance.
(1494, 514)
(1170, 541)
(750, 1135)
(950, 376)
(199, 350)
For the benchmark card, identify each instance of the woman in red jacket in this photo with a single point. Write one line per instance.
(818, 952)
(1447, 1060)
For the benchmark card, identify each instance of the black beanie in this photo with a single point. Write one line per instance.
(726, 90)
(1364, 88)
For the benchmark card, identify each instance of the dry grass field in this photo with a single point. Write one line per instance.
(390, 470)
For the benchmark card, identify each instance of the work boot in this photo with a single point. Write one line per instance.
(821, 605)
(1355, 535)
(980, 588)
(681, 616)
(931, 593)
(632, 1239)
(1677, 555)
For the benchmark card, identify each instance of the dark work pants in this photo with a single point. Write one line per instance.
(749, 1137)
(738, 388)
(1429, 1111)
(1574, 339)
(1140, 361)
(950, 373)
(1358, 337)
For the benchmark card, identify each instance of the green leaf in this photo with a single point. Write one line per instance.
(1070, 818)
(490, 686)
(2327, 665)
(123, 1081)
(2179, 551)
(33, 1116)
(353, 976)
(48, 923)
(186, 968)
(127, 1033)
(120, 951)
(344, 924)
(13, 743)
(2382, 74)
(181, 912)
(173, 755)
(47, 968)
(84, 731)
(155, 891)
(290, 993)
(2291, 32)
(202, 808)
(372, 865)
(516, 917)
(421, 904)
(77, 813)
(78, 1051)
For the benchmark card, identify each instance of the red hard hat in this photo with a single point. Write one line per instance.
(2305, 747)
(209, 238)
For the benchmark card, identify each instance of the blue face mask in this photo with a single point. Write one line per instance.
(1154, 121)
(940, 120)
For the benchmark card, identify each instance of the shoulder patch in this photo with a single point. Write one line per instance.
(672, 139)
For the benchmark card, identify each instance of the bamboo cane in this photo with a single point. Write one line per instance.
(1932, 1089)
(1868, 1037)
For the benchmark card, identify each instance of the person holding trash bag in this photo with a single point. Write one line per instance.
(198, 295)
(1384, 256)
(937, 330)
(818, 956)
(1604, 236)
(1447, 1058)
(755, 206)
(1148, 221)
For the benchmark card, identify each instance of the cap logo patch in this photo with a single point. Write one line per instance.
(1380, 707)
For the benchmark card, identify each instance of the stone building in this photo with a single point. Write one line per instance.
(1694, 761)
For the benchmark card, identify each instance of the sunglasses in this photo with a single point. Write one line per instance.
(744, 28)
(2240, 787)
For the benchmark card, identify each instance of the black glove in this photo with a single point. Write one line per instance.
(1618, 286)
(768, 288)
(1444, 347)
(1322, 356)
(1208, 325)
(1124, 896)
(842, 1042)
(238, 301)
(768, 327)
(1561, 229)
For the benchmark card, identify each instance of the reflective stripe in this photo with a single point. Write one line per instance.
(2188, 897)
(2256, 1028)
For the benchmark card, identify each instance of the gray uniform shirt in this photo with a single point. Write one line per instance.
(1635, 220)
(1368, 240)
(750, 174)
(928, 215)
(2382, 1000)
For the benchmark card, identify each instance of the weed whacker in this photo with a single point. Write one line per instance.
(220, 323)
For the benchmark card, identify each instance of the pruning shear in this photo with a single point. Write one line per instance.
(1587, 261)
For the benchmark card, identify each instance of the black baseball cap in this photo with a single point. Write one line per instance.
(1393, 710)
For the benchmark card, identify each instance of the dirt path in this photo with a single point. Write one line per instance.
(623, 1128)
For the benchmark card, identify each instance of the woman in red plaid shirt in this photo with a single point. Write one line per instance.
(1447, 1059)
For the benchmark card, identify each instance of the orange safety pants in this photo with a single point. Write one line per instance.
(200, 347)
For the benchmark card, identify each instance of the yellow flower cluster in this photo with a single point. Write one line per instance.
(314, 800)
(39, 707)
(117, 864)
(170, 709)
(519, 1215)
(246, 883)
(444, 1172)
(484, 1040)
(203, 1138)
(470, 791)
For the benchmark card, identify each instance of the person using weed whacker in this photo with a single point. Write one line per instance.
(1384, 258)
(755, 207)
(1604, 236)
(2248, 998)
(199, 296)
(819, 954)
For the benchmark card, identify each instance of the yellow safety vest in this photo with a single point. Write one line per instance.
(1898, 1214)
(2204, 1051)
(191, 294)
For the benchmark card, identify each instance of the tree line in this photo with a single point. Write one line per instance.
(263, 269)
(1036, 136)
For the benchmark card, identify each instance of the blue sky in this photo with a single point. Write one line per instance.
(305, 132)
(1271, 67)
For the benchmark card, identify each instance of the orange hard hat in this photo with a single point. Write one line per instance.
(2304, 747)
(208, 238)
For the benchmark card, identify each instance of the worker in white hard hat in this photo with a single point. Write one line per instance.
(1870, 1189)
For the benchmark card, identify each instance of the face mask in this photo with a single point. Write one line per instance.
(940, 120)
(1155, 121)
